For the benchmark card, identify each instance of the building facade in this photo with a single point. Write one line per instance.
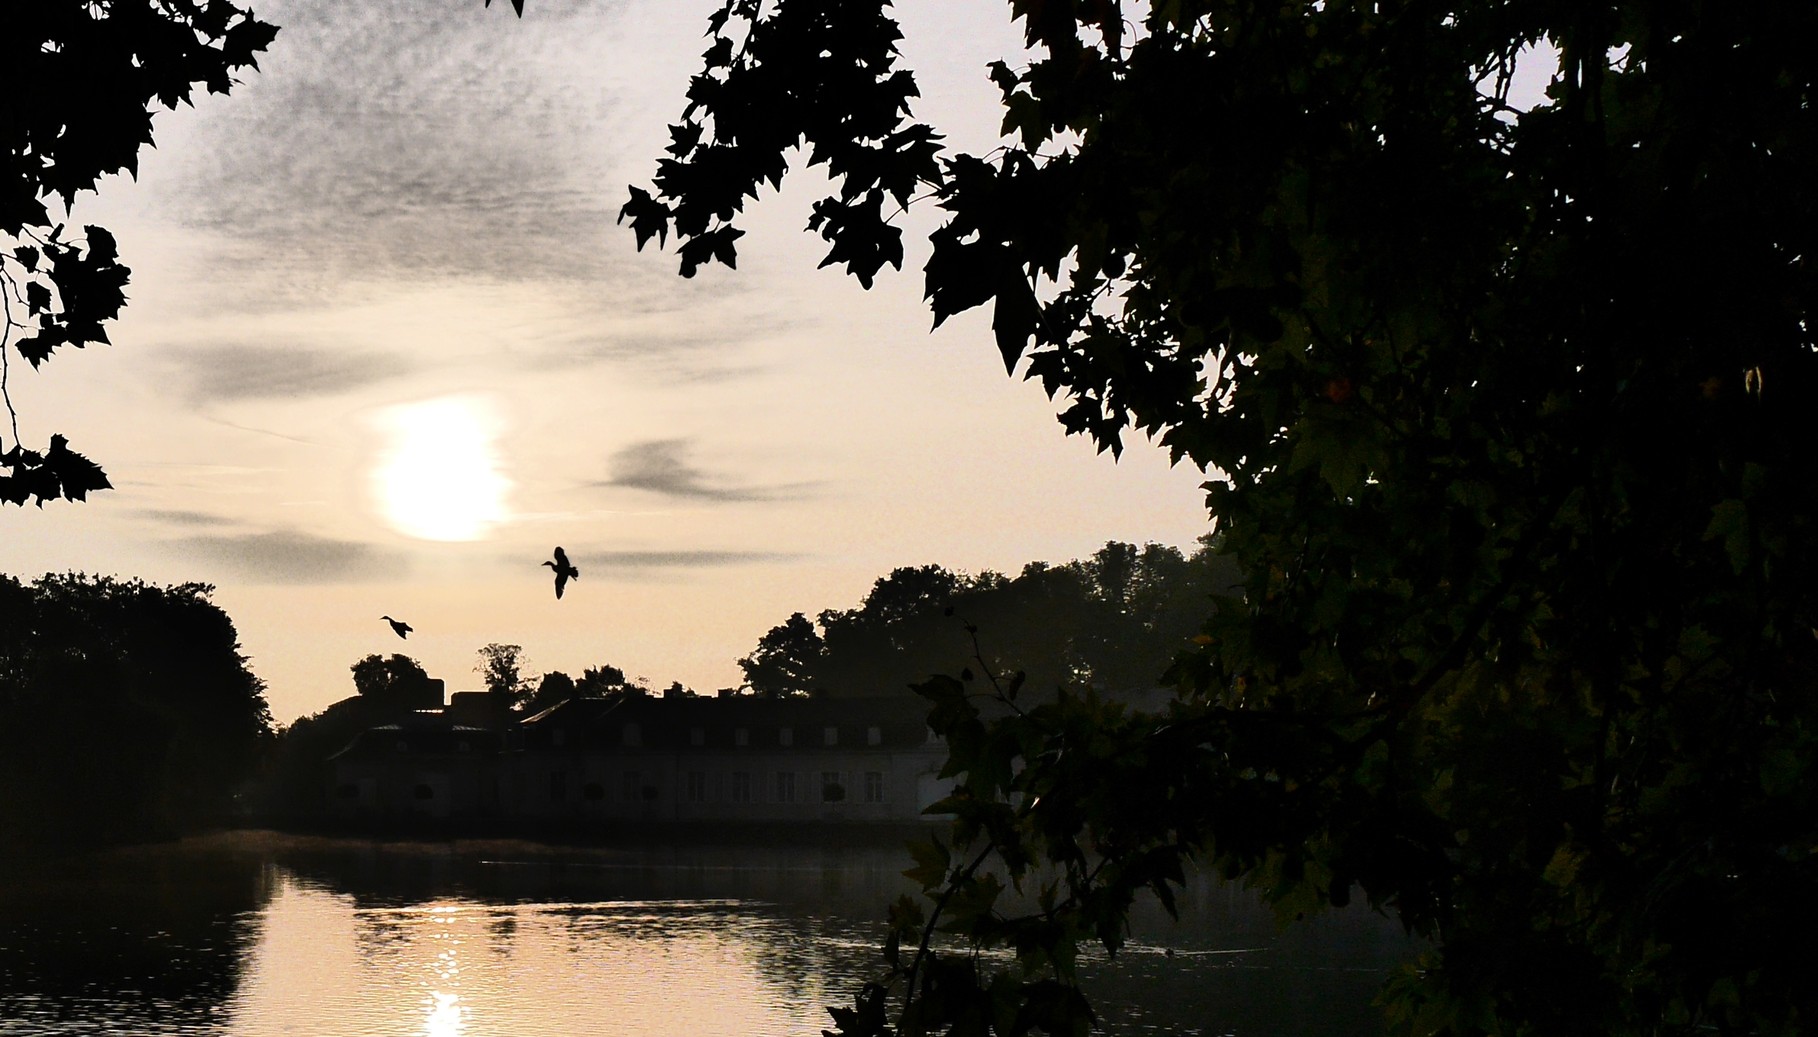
(592, 762)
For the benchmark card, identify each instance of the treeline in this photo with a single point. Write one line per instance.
(126, 710)
(1113, 622)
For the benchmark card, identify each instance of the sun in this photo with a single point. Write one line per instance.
(438, 475)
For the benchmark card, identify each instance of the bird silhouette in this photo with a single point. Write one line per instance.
(398, 626)
(563, 571)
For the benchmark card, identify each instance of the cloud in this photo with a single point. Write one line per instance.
(287, 556)
(416, 136)
(226, 374)
(661, 466)
(678, 559)
(195, 519)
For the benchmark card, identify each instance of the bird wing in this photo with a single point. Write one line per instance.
(562, 558)
(561, 582)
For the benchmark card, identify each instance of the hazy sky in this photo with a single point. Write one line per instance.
(386, 347)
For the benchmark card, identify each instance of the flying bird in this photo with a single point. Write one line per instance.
(398, 626)
(563, 571)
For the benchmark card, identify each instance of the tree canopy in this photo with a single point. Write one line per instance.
(1501, 408)
(389, 678)
(1113, 623)
(81, 77)
(126, 710)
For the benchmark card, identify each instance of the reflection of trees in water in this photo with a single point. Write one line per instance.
(857, 880)
(501, 932)
(157, 935)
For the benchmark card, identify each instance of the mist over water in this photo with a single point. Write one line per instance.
(247, 938)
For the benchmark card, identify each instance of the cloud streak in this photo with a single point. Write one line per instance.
(232, 373)
(679, 559)
(661, 466)
(287, 556)
(178, 517)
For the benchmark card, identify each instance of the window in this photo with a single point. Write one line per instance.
(874, 735)
(631, 735)
(785, 786)
(558, 786)
(629, 786)
(785, 736)
(593, 791)
(696, 787)
(697, 736)
(741, 786)
(874, 786)
(831, 789)
(741, 736)
(425, 792)
(830, 736)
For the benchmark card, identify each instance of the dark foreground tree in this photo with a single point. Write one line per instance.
(80, 78)
(126, 710)
(1504, 409)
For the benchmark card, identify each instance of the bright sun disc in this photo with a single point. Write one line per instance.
(438, 476)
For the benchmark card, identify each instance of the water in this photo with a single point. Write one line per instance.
(251, 936)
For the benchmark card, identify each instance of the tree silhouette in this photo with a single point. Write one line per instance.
(554, 688)
(390, 679)
(126, 709)
(501, 669)
(1503, 407)
(81, 76)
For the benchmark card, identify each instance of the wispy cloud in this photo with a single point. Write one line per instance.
(193, 519)
(230, 373)
(662, 466)
(287, 556)
(434, 128)
(679, 559)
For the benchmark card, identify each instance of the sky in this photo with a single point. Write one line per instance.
(386, 347)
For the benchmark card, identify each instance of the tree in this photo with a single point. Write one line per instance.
(397, 678)
(1503, 410)
(601, 682)
(786, 661)
(501, 668)
(81, 78)
(126, 710)
(554, 689)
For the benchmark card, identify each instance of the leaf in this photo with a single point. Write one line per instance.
(649, 217)
(1730, 524)
(932, 859)
(76, 475)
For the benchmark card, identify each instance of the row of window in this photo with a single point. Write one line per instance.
(740, 787)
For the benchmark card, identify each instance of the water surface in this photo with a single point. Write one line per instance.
(252, 936)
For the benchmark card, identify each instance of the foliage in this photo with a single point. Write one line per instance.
(126, 709)
(1112, 622)
(784, 662)
(554, 688)
(1504, 412)
(81, 76)
(599, 682)
(501, 669)
(394, 678)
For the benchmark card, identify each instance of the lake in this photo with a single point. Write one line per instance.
(255, 934)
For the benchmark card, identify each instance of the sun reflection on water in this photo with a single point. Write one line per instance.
(446, 1015)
